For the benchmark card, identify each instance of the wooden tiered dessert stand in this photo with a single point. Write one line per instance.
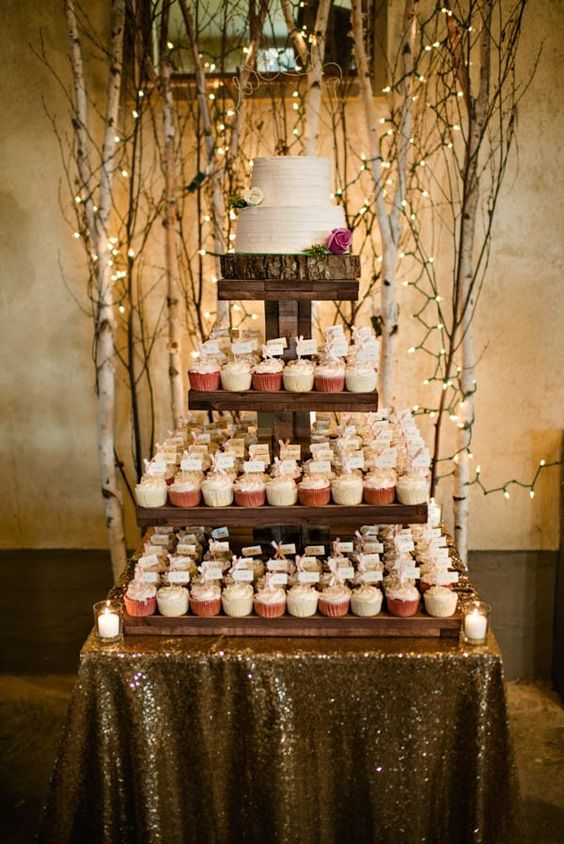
(287, 284)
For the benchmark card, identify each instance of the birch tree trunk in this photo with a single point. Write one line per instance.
(214, 171)
(315, 78)
(96, 223)
(296, 36)
(170, 226)
(464, 284)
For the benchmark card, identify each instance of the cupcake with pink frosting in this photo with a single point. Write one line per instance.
(204, 375)
(140, 598)
(270, 602)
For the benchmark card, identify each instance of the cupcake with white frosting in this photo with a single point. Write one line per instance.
(267, 375)
(329, 376)
(440, 602)
(402, 600)
(413, 489)
(314, 491)
(270, 602)
(185, 490)
(366, 601)
(250, 491)
(347, 489)
(217, 490)
(237, 599)
(205, 598)
(360, 377)
(140, 598)
(302, 600)
(204, 375)
(281, 491)
(298, 376)
(172, 601)
(335, 599)
(380, 487)
(236, 376)
(151, 492)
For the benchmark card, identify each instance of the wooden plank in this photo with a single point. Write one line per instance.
(245, 290)
(349, 626)
(299, 267)
(332, 514)
(282, 401)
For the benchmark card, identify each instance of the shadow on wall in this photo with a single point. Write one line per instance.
(520, 587)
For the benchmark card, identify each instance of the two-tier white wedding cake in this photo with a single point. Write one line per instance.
(296, 211)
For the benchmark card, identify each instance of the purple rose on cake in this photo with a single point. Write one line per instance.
(339, 241)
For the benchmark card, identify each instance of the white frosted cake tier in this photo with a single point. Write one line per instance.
(296, 211)
(286, 230)
(296, 181)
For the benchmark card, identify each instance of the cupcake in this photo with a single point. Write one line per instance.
(302, 600)
(172, 601)
(335, 599)
(236, 376)
(151, 492)
(270, 602)
(267, 375)
(204, 375)
(366, 601)
(360, 378)
(217, 490)
(205, 598)
(413, 489)
(281, 491)
(380, 487)
(140, 598)
(298, 376)
(185, 491)
(440, 602)
(237, 599)
(329, 377)
(402, 600)
(347, 489)
(314, 491)
(250, 491)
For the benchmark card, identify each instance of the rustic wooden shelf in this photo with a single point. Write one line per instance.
(282, 401)
(382, 625)
(267, 516)
(279, 289)
(300, 267)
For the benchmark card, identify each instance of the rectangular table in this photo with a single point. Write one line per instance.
(285, 740)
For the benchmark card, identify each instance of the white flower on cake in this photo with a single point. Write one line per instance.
(253, 196)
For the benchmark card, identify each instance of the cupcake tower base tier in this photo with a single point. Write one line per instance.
(266, 516)
(282, 401)
(273, 290)
(350, 626)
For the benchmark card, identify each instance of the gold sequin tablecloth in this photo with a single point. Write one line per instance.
(276, 740)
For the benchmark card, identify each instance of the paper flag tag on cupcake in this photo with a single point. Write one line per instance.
(243, 575)
(314, 550)
(220, 533)
(306, 347)
(372, 576)
(446, 577)
(178, 577)
(251, 551)
(191, 464)
(290, 451)
(253, 466)
(279, 579)
(308, 577)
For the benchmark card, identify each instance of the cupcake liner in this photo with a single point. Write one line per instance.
(333, 610)
(236, 383)
(190, 498)
(205, 381)
(218, 497)
(269, 610)
(179, 607)
(152, 498)
(372, 495)
(302, 606)
(139, 608)
(205, 609)
(360, 383)
(412, 496)
(281, 497)
(347, 497)
(440, 608)
(237, 607)
(402, 609)
(269, 382)
(314, 497)
(297, 383)
(366, 609)
(250, 498)
(329, 384)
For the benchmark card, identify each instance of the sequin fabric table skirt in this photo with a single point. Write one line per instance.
(308, 741)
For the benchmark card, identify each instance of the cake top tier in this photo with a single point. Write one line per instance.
(294, 181)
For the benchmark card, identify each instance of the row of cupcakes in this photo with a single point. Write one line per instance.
(338, 367)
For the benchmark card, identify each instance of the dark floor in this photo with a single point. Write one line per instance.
(46, 616)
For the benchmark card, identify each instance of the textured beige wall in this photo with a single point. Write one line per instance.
(50, 493)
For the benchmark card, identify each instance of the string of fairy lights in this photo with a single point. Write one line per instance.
(436, 148)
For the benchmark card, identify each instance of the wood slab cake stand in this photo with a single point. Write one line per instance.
(287, 284)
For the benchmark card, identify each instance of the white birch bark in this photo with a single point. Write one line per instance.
(477, 111)
(296, 36)
(97, 231)
(214, 171)
(390, 225)
(171, 253)
(315, 78)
